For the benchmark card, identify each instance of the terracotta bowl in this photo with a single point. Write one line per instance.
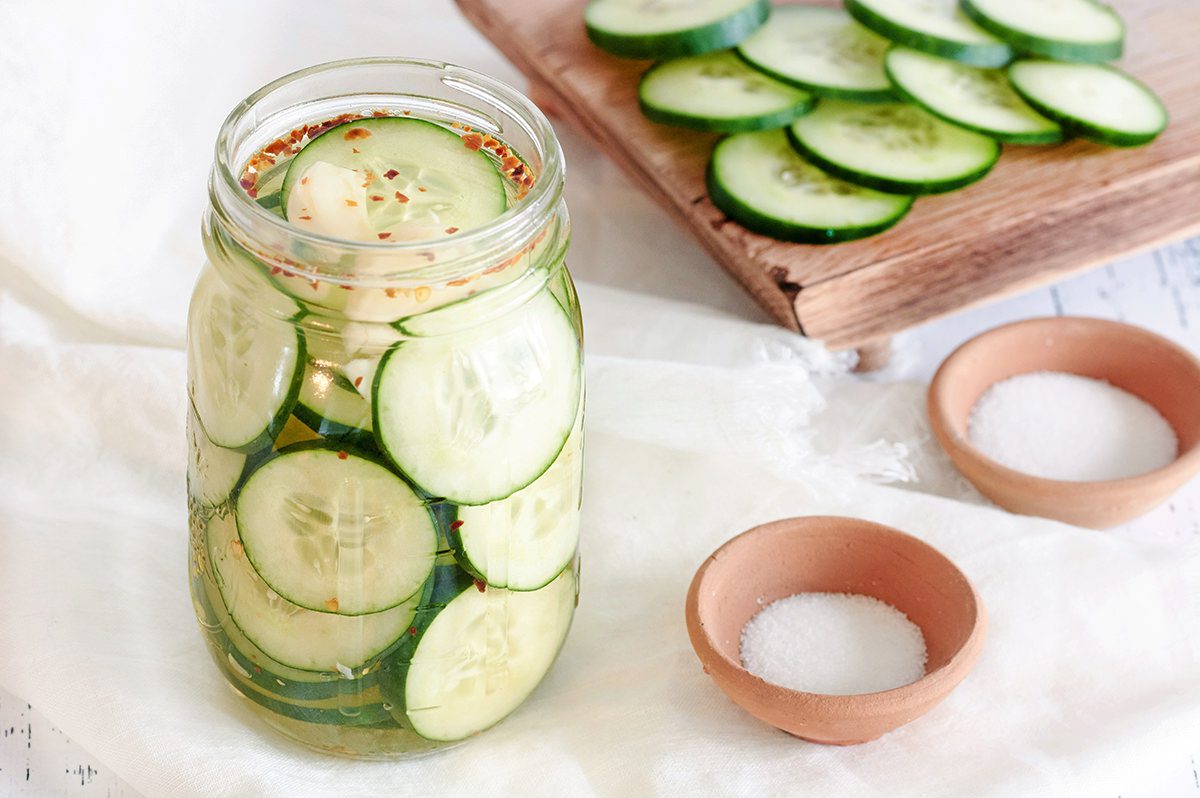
(1136, 360)
(836, 555)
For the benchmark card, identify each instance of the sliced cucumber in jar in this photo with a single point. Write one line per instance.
(937, 27)
(287, 633)
(334, 531)
(718, 92)
(1094, 101)
(392, 179)
(977, 98)
(474, 416)
(656, 29)
(212, 472)
(892, 147)
(245, 367)
(331, 407)
(474, 660)
(1065, 30)
(822, 50)
(526, 540)
(761, 182)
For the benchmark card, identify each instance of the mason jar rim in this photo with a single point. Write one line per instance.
(521, 221)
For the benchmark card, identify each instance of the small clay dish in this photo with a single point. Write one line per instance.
(834, 555)
(1131, 358)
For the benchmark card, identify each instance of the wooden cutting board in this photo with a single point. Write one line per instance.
(1043, 212)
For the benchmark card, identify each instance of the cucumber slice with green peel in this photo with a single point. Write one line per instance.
(525, 541)
(244, 367)
(977, 98)
(892, 147)
(296, 637)
(212, 472)
(1065, 30)
(937, 27)
(761, 182)
(718, 92)
(477, 415)
(1094, 101)
(392, 179)
(330, 406)
(480, 656)
(822, 50)
(656, 29)
(335, 531)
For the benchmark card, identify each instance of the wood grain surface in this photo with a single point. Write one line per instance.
(1043, 212)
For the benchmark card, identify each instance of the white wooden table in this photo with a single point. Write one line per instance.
(1159, 290)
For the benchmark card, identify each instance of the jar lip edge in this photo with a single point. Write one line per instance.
(545, 194)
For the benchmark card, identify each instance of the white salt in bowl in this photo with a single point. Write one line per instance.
(825, 554)
(1150, 367)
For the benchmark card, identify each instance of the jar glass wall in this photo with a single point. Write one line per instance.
(386, 426)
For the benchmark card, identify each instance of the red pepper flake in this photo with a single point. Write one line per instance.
(306, 218)
(304, 180)
(456, 525)
(345, 287)
(511, 162)
(451, 230)
(247, 183)
(252, 193)
(376, 198)
(389, 174)
(401, 197)
(355, 150)
(408, 113)
(276, 147)
(352, 203)
(356, 133)
(490, 143)
(384, 236)
(412, 631)
(379, 114)
(422, 189)
(480, 585)
(343, 455)
(275, 270)
(390, 292)
(358, 382)
(472, 141)
(314, 285)
(331, 604)
(466, 128)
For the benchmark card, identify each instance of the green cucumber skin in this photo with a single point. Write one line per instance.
(333, 431)
(740, 124)
(719, 35)
(766, 225)
(1078, 52)
(329, 446)
(889, 185)
(1044, 137)
(983, 55)
(819, 91)
(454, 538)
(1096, 133)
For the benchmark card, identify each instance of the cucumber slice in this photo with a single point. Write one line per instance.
(244, 367)
(330, 405)
(524, 541)
(760, 181)
(475, 416)
(291, 635)
(669, 28)
(1094, 101)
(212, 472)
(334, 531)
(718, 92)
(977, 98)
(482, 655)
(822, 50)
(937, 27)
(1066, 30)
(892, 147)
(363, 181)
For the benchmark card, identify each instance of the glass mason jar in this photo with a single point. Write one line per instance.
(385, 435)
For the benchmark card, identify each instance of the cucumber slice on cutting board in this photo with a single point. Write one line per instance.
(892, 147)
(525, 541)
(1066, 30)
(334, 531)
(472, 661)
(477, 415)
(822, 50)
(392, 179)
(937, 27)
(718, 92)
(289, 634)
(759, 180)
(668, 28)
(244, 367)
(977, 98)
(1094, 101)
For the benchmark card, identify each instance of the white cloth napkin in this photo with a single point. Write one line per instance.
(1089, 678)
